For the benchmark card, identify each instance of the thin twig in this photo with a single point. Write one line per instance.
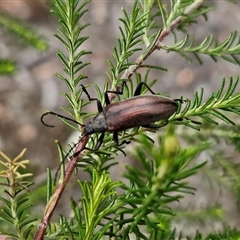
(164, 33)
(51, 205)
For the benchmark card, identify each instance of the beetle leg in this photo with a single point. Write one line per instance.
(179, 100)
(99, 105)
(99, 142)
(118, 92)
(155, 126)
(151, 126)
(115, 139)
(139, 88)
(107, 100)
(123, 142)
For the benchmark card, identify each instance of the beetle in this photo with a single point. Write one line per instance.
(138, 111)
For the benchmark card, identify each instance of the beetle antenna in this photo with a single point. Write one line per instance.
(62, 162)
(86, 92)
(58, 115)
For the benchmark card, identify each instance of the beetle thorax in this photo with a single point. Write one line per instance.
(98, 124)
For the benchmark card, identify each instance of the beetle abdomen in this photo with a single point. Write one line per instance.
(138, 111)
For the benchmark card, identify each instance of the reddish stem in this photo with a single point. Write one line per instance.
(51, 205)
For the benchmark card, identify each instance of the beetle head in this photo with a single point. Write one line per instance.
(88, 129)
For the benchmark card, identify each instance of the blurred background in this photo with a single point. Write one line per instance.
(34, 89)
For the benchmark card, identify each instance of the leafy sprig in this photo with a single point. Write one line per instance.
(128, 44)
(182, 13)
(99, 202)
(23, 32)
(223, 100)
(16, 199)
(228, 50)
(69, 14)
(164, 168)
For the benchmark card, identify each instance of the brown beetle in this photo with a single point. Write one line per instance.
(143, 110)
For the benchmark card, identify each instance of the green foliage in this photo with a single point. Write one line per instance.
(142, 210)
(23, 33)
(230, 234)
(127, 45)
(69, 14)
(99, 202)
(223, 100)
(141, 206)
(227, 50)
(15, 199)
(164, 168)
(186, 11)
(7, 67)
